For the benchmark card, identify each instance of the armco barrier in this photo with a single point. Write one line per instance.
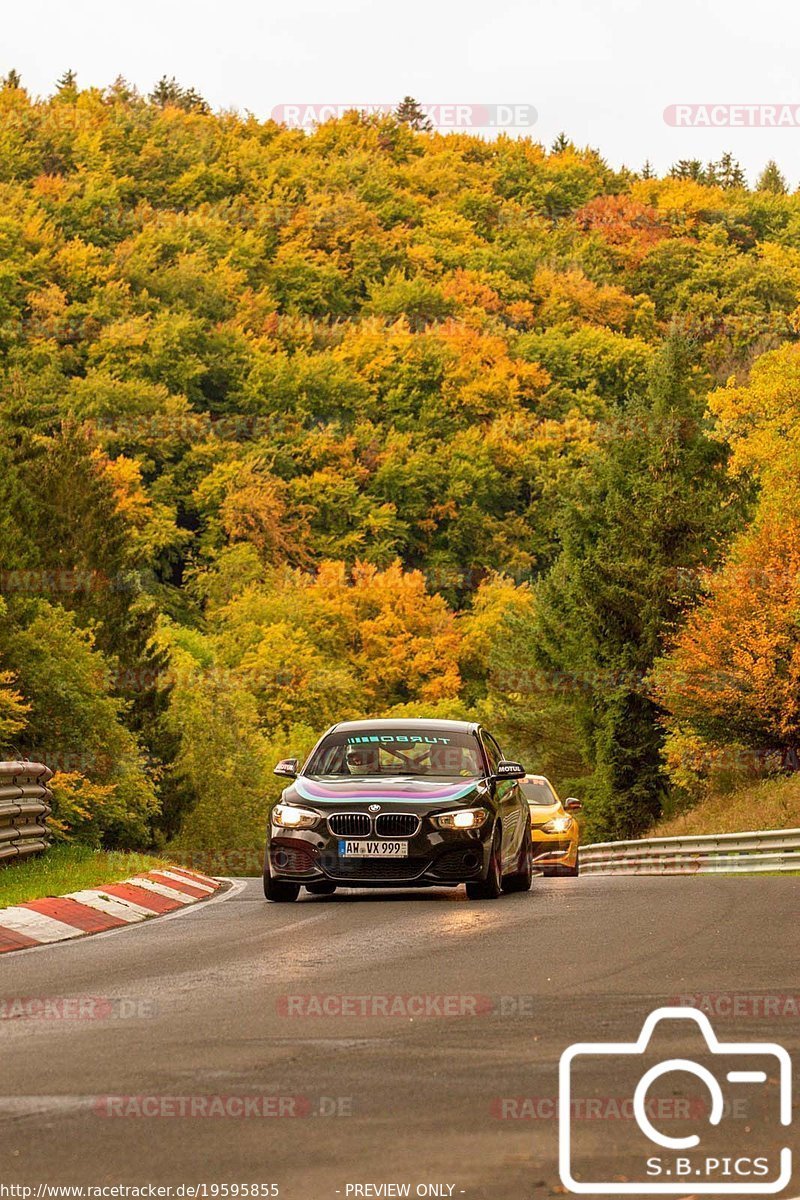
(762, 852)
(24, 808)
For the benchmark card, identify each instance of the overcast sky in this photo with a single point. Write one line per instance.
(602, 70)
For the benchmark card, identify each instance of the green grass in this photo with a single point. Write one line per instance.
(68, 869)
(767, 804)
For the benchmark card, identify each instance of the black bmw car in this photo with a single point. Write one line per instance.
(400, 803)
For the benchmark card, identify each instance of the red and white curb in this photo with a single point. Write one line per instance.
(59, 918)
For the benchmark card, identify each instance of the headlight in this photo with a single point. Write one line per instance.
(557, 825)
(463, 818)
(289, 817)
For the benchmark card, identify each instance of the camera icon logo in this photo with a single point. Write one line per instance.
(671, 1165)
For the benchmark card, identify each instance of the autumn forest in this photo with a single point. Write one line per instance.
(299, 427)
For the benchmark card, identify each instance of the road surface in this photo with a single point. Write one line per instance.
(236, 1000)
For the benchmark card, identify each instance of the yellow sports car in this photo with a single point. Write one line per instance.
(554, 830)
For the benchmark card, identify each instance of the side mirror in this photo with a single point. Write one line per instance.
(509, 770)
(572, 805)
(288, 767)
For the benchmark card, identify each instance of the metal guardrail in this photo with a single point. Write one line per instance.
(25, 804)
(765, 851)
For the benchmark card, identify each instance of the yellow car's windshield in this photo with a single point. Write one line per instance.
(537, 791)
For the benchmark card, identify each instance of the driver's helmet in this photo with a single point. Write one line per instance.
(362, 760)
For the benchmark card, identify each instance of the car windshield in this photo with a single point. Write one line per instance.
(536, 791)
(441, 752)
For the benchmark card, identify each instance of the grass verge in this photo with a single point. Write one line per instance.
(68, 869)
(768, 804)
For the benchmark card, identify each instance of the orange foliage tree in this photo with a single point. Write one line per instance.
(733, 676)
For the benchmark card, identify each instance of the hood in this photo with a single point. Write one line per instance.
(542, 813)
(334, 791)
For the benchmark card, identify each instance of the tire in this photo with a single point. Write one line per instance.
(280, 891)
(492, 886)
(521, 881)
(322, 887)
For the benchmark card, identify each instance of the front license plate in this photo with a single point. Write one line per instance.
(348, 849)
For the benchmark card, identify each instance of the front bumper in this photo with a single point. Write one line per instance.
(436, 857)
(550, 849)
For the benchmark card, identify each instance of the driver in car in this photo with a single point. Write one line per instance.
(363, 760)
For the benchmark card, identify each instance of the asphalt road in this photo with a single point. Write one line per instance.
(219, 1005)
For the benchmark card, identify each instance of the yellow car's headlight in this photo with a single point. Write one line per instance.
(463, 818)
(557, 825)
(289, 817)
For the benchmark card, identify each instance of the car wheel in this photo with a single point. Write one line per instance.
(521, 880)
(490, 887)
(280, 891)
(322, 887)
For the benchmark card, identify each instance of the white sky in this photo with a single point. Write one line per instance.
(602, 70)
